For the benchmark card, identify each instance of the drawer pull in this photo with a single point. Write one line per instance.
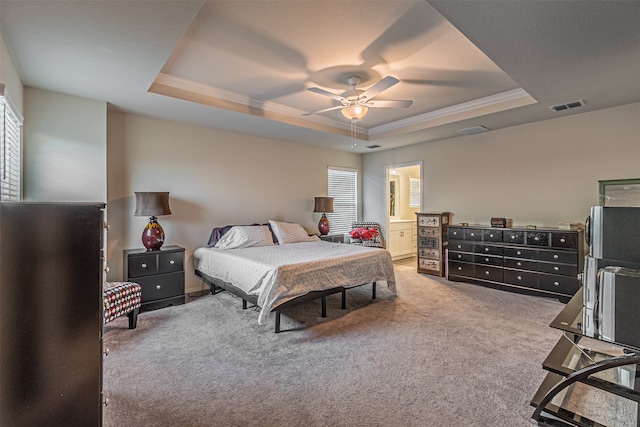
(536, 238)
(490, 235)
(487, 272)
(486, 249)
(519, 277)
(519, 264)
(143, 265)
(556, 268)
(519, 252)
(555, 256)
(473, 234)
(158, 286)
(106, 269)
(486, 259)
(556, 283)
(106, 351)
(459, 246)
(459, 268)
(563, 240)
(513, 237)
(172, 262)
(459, 256)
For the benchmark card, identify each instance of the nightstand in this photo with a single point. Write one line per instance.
(333, 238)
(159, 272)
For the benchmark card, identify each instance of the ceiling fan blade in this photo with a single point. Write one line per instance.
(327, 93)
(323, 111)
(383, 84)
(389, 104)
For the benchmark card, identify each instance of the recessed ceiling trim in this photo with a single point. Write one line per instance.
(487, 105)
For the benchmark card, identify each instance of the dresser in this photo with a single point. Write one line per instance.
(159, 272)
(51, 277)
(538, 261)
(432, 241)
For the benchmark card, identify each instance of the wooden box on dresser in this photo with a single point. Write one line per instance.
(159, 272)
(51, 276)
(432, 241)
(538, 261)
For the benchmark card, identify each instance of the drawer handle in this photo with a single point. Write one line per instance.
(519, 253)
(486, 249)
(563, 240)
(490, 235)
(556, 268)
(459, 256)
(106, 269)
(513, 237)
(486, 259)
(143, 265)
(519, 277)
(106, 351)
(459, 246)
(486, 272)
(556, 283)
(473, 234)
(459, 268)
(555, 256)
(519, 264)
(536, 238)
(158, 286)
(172, 262)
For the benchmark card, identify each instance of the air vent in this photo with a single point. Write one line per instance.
(562, 107)
(374, 146)
(472, 130)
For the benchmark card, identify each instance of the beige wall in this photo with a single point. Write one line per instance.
(541, 173)
(65, 148)
(10, 78)
(214, 178)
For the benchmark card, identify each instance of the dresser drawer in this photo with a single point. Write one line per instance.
(461, 269)
(564, 240)
(455, 233)
(473, 234)
(461, 246)
(170, 262)
(428, 232)
(461, 256)
(526, 279)
(537, 238)
(495, 274)
(521, 264)
(561, 284)
(488, 250)
(161, 286)
(142, 265)
(514, 252)
(558, 256)
(488, 260)
(513, 236)
(492, 235)
(429, 264)
(563, 269)
(428, 253)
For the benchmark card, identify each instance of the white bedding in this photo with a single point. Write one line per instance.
(276, 274)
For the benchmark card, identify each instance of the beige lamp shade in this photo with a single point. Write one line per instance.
(324, 204)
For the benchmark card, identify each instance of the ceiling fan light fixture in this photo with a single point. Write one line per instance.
(355, 112)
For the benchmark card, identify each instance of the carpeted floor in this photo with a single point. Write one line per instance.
(440, 354)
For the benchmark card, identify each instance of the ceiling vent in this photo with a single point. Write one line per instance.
(472, 130)
(374, 146)
(567, 106)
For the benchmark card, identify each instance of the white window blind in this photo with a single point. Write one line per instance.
(343, 187)
(414, 192)
(10, 127)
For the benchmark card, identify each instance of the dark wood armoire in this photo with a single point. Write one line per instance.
(51, 275)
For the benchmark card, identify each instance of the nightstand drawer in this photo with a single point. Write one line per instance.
(161, 286)
(143, 265)
(170, 262)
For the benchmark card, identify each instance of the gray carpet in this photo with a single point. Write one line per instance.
(440, 354)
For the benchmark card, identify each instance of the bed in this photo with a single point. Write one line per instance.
(277, 265)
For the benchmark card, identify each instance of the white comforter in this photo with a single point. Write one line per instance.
(276, 274)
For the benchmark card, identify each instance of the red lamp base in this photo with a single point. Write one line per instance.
(323, 225)
(153, 235)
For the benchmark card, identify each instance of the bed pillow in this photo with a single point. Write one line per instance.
(218, 232)
(245, 236)
(287, 232)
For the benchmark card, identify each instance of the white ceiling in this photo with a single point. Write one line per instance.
(246, 65)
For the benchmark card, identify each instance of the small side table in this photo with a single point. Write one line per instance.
(159, 272)
(333, 238)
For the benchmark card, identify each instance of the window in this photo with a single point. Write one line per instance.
(10, 122)
(414, 192)
(343, 187)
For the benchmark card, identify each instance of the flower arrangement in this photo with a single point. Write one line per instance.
(364, 233)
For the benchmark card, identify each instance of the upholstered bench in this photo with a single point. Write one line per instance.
(122, 298)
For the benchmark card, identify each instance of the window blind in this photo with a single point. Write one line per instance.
(10, 127)
(343, 187)
(414, 192)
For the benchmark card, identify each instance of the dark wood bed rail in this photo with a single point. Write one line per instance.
(215, 283)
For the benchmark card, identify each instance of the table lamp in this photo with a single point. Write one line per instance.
(324, 205)
(152, 204)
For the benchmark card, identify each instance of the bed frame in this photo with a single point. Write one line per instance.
(218, 285)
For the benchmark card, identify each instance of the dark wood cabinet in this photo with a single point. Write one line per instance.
(159, 272)
(542, 261)
(333, 238)
(51, 277)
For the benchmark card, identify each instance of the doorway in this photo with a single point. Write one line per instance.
(403, 200)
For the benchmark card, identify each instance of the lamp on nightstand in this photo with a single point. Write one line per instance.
(152, 204)
(324, 205)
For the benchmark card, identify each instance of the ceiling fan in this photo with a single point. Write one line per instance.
(355, 103)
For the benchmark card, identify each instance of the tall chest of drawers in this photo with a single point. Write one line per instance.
(539, 261)
(159, 272)
(432, 241)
